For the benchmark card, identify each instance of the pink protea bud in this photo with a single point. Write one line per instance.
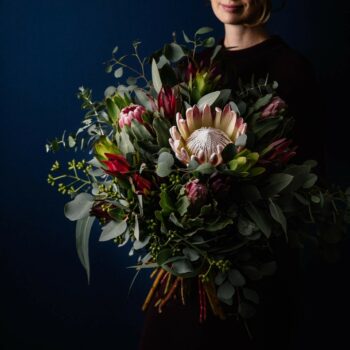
(197, 192)
(167, 100)
(127, 114)
(273, 107)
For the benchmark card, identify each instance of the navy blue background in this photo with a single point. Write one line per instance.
(48, 49)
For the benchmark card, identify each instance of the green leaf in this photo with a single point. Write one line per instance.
(208, 99)
(251, 295)
(190, 254)
(209, 42)
(277, 182)
(140, 132)
(164, 164)
(182, 267)
(161, 127)
(164, 255)
(112, 109)
(259, 218)
(79, 207)
(143, 99)
(173, 52)
(220, 278)
(203, 30)
(166, 202)
(229, 152)
(215, 52)
(182, 205)
(112, 230)
(262, 101)
(278, 215)
(118, 73)
(251, 272)
(250, 193)
(124, 143)
(311, 180)
(157, 82)
(219, 225)
(82, 235)
(205, 168)
(225, 291)
(236, 278)
(245, 226)
(186, 38)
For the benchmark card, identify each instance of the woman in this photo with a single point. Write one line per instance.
(247, 49)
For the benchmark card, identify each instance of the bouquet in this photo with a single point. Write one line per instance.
(196, 178)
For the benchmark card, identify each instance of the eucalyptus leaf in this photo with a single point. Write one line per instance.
(203, 30)
(208, 99)
(191, 254)
(118, 73)
(164, 164)
(236, 278)
(140, 244)
(226, 291)
(220, 278)
(182, 266)
(157, 82)
(79, 207)
(112, 230)
(251, 295)
(82, 235)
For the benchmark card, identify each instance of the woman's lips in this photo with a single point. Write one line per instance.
(232, 8)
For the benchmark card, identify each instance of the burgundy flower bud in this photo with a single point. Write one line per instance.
(273, 107)
(197, 192)
(167, 100)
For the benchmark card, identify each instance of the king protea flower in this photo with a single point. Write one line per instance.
(202, 136)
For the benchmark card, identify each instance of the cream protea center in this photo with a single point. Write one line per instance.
(203, 137)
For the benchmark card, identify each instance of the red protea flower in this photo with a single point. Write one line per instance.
(167, 101)
(143, 186)
(116, 163)
(278, 152)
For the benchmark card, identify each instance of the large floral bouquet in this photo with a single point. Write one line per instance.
(195, 177)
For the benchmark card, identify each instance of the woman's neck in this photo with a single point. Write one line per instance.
(243, 37)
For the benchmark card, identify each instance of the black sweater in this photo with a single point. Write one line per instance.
(281, 295)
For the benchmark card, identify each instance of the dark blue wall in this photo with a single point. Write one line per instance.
(48, 49)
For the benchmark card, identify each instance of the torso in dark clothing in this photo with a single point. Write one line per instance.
(281, 295)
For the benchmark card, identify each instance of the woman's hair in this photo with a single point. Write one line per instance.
(264, 12)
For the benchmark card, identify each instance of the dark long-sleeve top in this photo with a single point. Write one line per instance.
(281, 295)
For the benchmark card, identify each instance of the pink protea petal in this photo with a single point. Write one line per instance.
(197, 118)
(189, 119)
(182, 126)
(207, 119)
(184, 156)
(232, 124)
(174, 133)
(218, 115)
(201, 156)
(213, 159)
